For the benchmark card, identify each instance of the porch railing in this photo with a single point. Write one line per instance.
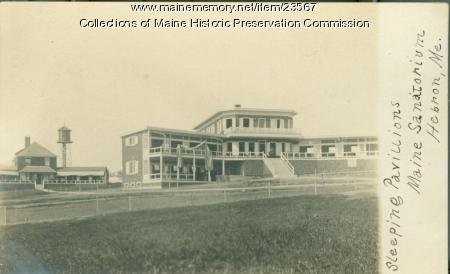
(62, 181)
(184, 151)
(6, 181)
(287, 163)
(257, 130)
(172, 176)
(327, 155)
(198, 152)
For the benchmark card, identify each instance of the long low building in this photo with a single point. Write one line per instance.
(36, 164)
(240, 142)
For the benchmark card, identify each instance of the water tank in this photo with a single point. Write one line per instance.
(64, 135)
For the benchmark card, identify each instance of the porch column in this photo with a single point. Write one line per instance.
(161, 166)
(193, 169)
(223, 167)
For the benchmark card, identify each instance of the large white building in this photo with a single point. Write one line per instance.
(239, 142)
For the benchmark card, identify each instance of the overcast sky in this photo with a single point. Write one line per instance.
(105, 83)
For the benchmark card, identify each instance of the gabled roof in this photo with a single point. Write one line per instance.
(38, 169)
(35, 150)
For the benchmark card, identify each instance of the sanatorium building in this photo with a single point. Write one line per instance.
(240, 142)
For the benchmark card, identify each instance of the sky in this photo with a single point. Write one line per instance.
(106, 83)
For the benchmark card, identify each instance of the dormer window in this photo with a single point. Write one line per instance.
(27, 161)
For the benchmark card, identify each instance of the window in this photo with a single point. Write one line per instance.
(241, 147)
(328, 151)
(229, 147)
(131, 141)
(47, 161)
(131, 167)
(157, 143)
(350, 149)
(212, 147)
(306, 151)
(229, 122)
(193, 144)
(285, 123)
(268, 122)
(174, 144)
(262, 147)
(27, 161)
(262, 123)
(255, 122)
(278, 123)
(251, 147)
(246, 122)
(371, 149)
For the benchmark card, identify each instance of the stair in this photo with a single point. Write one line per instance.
(279, 168)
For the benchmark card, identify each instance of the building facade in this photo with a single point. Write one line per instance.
(36, 164)
(238, 142)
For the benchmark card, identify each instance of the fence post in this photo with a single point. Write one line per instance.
(96, 204)
(4, 211)
(269, 190)
(315, 181)
(315, 187)
(129, 203)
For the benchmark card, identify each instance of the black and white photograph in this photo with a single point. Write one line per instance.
(222, 138)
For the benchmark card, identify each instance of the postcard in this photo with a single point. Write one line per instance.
(223, 137)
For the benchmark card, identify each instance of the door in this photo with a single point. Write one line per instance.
(262, 147)
(272, 150)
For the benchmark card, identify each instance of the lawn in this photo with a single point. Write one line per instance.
(312, 234)
(20, 194)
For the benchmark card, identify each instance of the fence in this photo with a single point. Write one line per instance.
(51, 208)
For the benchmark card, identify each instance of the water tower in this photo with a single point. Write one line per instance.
(64, 139)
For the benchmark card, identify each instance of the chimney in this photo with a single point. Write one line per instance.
(27, 141)
(237, 106)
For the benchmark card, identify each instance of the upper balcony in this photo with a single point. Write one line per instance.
(261, 132)
(201, 153)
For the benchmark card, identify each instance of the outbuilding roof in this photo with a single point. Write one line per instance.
(35, 150)
(8, 170)
(38, 169)
(82, 171)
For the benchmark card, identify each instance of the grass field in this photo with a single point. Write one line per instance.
(304, 234)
